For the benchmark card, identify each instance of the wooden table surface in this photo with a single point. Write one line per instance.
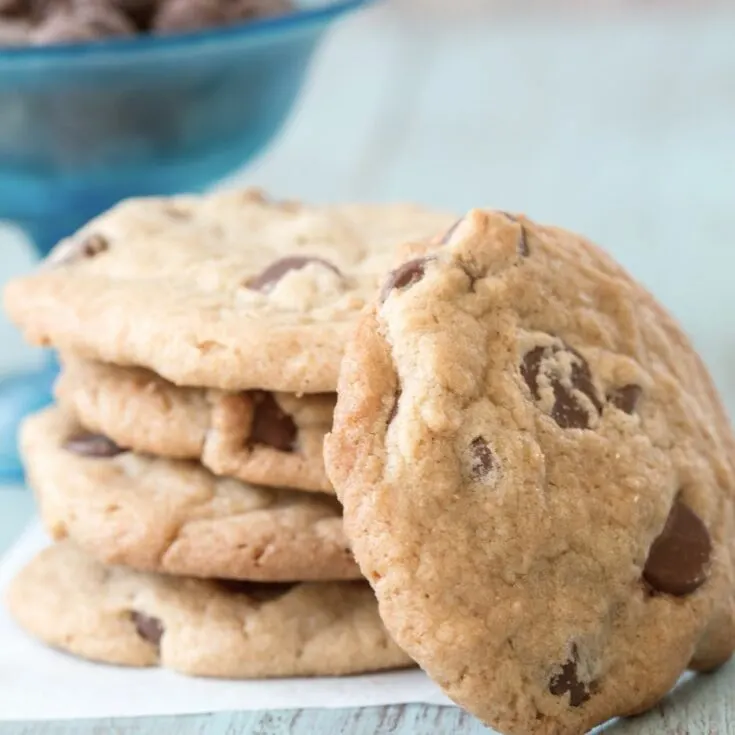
(620, 129)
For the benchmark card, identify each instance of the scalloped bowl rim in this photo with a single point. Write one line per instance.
(144, 44)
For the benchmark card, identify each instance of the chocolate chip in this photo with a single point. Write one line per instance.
(85, 22)
(523, 248)
(482, 461)
(93, 245)
(139, 11)
(394, 407)
(405, 275)
(177, 212)
(568, 681)
(266, 281)
(678, 561)
(271, 425)
(258, 591)
(149, 629)
(625, 398)
(550, 361)
(14, 7)
(73, 250)
(87, 444)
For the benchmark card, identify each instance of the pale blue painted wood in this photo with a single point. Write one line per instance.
(703, 707)
(409, 720)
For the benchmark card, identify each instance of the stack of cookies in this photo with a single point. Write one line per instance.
(537, 474)
(181, 472)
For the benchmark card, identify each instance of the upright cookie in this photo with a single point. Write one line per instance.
(537, 478)
(239, 630)
(173, 516)
(256, 436)
(228, 290)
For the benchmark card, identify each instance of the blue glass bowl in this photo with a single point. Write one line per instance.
(85, 125)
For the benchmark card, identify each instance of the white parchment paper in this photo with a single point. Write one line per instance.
(40, 684)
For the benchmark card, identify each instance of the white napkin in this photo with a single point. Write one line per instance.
(40, 684)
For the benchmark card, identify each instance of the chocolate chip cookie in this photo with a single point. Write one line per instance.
(229, 290)
(537, 477)
(174, 516)
(267, 438)
(238, 630)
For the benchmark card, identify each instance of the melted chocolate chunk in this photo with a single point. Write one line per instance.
(72, 251)
(394, 408)
(149, 629)
(679, 559)
(567, 681)
(405, 275)
(258, 591)
(87, 444)
(268, 279)
(482, 461)
(625, 398)
(272, 426)
(567, 410)
(177, 212)
(13, 8)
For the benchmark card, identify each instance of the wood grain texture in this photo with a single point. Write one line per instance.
(702, 706)
(397, 720)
